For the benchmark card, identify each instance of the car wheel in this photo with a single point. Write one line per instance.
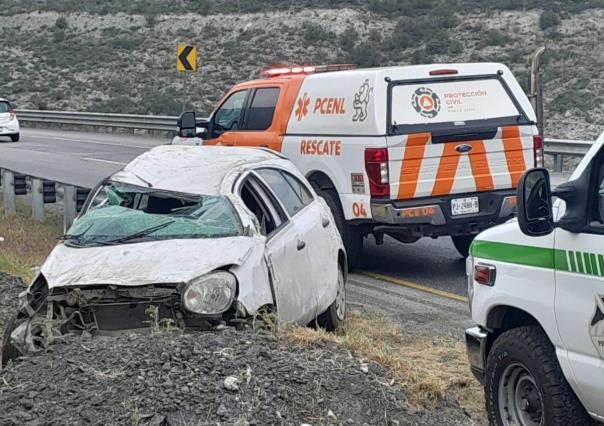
(525, 385)
(462, 243)
(15, 137)
(9, 351)
(335, 315)
(351, 236)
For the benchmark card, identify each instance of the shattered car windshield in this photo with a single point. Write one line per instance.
(121, 213)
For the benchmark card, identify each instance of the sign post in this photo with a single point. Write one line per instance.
(186, 61)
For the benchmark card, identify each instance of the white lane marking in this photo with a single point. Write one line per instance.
(124, 144)
(104, 161)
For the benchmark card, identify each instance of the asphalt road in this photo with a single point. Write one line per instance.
(84, 158)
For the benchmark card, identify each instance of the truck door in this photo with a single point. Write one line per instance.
(227, 120)
(580, 298)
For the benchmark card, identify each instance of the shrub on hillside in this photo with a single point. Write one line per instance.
(548, 19)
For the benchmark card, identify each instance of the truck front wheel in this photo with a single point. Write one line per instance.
(351, 235)
(525, 384)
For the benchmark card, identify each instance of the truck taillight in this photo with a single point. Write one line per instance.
(484, 274)
(538, 149)
(12, 114)
(376, 166)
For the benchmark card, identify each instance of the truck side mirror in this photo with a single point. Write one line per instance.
(534, 197)
(186, 123)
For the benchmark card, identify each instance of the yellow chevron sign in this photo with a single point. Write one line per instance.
(186, 58)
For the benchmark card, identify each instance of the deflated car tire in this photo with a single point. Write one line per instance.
(335, 315)
(8, 350)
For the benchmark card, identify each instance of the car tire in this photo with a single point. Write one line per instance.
(9, 351)
(335, 315)
(15, 137)
(462, 243)
(525, 385)
(351, 235)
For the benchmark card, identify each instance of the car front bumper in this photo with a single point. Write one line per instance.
(476, 347)
(433, 216)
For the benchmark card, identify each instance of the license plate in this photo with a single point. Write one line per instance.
(467, 205)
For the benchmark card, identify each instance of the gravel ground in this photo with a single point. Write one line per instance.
(10, 287)
(166, 378)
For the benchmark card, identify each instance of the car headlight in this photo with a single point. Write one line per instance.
(210, 294)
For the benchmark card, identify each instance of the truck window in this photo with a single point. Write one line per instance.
(228, 115)
(260, 114)
(452, 104)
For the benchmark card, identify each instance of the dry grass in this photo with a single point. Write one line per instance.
(26, 242)
(428, 367)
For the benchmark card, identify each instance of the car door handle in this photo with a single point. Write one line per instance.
(325, 222)
(301, 245)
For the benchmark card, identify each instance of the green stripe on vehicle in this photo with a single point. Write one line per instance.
(587, 263)
(514, 253)
(541, 257)
(579, 262)
(571, 257)
(594, 265)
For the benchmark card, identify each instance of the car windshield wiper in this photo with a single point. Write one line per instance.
(75, 236)
(139, 234)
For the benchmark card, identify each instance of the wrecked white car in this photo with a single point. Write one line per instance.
(204, 236)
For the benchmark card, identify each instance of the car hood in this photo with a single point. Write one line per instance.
(168, 261)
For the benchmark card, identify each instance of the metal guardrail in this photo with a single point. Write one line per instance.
(560, 148)
(96, 119)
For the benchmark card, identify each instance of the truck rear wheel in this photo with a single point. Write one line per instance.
(462, 243)
(351, 235)
(525, 384)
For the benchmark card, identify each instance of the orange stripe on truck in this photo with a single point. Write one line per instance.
(512, 146)
(480, 167)
(412, 162)
(447, 169)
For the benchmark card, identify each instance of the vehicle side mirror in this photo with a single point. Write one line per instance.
(534, 197)
(202, 130)
(187, 124)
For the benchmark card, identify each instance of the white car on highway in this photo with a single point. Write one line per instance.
(195, 236)
(9, 124)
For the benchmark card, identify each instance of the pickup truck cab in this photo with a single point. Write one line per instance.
(536, 289)
(409, 151)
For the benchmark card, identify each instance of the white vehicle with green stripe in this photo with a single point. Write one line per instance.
(536, 289)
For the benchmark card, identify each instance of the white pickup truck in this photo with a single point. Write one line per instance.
(536, 289)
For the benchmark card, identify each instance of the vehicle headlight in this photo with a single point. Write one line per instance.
(210, 294)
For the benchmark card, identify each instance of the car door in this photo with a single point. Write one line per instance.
(284, 255)
(227, 120)
(580, 298)
(309, 217)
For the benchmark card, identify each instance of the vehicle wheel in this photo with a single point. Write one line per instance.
(462, 243)
(15, 137)
(525, 385)
(8, 350)
(351, 236)
(335, 315)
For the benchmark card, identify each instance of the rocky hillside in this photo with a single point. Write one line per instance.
(119, 56)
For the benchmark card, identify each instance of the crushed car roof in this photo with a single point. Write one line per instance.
(189, 169)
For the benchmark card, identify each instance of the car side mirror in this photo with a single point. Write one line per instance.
(534, 197)
(187, 124)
